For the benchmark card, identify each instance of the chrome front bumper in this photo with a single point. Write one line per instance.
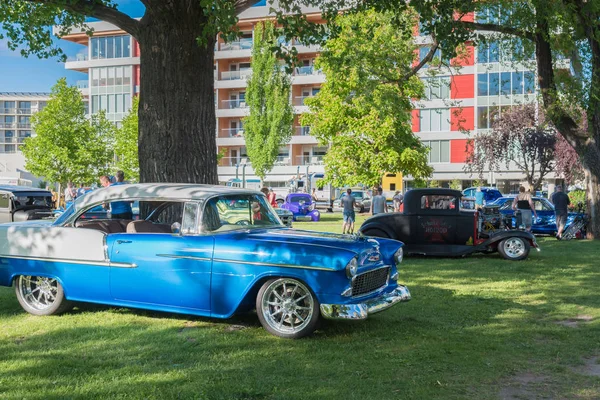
(362, 310)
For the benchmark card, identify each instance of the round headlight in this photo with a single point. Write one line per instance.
(399, 255)
(352, 268)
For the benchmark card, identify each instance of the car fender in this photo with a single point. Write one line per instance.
(499, 236)
(371, 224)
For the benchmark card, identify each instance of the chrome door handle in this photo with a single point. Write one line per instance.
(123, 241)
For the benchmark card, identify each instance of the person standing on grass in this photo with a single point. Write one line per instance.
(398, 200)
(378, 203)
(70, 194)
(561, 203)
(118, 209)
(348, 202)
(479, 198)
(524, 204)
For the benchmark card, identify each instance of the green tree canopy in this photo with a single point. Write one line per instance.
(269, 125)
(363, 110)
(67, 145)
(126, 145)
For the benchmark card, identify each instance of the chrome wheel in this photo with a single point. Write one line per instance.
(38, 292)
(287, 307)
(514, 247)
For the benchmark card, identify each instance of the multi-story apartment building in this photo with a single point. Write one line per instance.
(458, 103)
(16, 110)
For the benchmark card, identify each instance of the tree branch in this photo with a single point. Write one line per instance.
(498, 28)
(243, 5)
(428, 57)
(93, 8)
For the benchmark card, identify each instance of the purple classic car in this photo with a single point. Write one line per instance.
(302, 206)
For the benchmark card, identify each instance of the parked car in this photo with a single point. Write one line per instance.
(24, 203)
(363, 201)
(286, 216)
(201, 250)
(489, 193)
(544, 224)
(302, 207)
(433, 223)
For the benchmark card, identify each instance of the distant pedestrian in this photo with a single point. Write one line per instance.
(524, 204)
(272, 197)
(81, 190)
(561, 203)
(398, 199)
(348, 202)
(118, 209)
(314, 195)
(378, 203)
(70, 194)
(479, 198)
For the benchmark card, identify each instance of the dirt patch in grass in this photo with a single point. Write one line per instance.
(591, 367)
(574, 322)
(525, 386)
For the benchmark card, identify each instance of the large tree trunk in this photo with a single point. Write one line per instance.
(177, 122)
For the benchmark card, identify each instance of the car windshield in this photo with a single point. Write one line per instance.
(300, 199)
(23, 200)
(240, 211)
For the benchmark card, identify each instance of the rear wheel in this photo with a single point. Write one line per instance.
(287, 308)
(40, 295)
(514, 248)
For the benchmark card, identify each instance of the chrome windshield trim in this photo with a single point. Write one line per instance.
(105, 263)
(266, 264)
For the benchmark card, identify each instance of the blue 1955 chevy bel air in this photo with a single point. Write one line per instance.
(202, 250)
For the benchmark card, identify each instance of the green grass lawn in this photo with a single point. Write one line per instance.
(478, 327)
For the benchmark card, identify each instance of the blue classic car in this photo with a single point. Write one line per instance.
(544, 224)
(201, 250)
(302, 206)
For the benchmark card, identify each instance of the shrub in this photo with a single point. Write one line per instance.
(577, 196)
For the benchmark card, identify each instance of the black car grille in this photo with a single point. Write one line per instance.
(287, 220)
(370, 281)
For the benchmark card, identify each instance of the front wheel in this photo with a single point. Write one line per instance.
(514, 248)
(40, 295)
(287, 308)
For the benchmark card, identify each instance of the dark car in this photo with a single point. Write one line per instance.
(489, 193)
(302, 206)
(544, 224)
(433, 223)
(22, 203)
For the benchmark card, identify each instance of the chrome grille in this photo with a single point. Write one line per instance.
(287, 220)
(370, 281)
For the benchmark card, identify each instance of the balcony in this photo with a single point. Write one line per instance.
(233, 132)
(299, 100)
(233, 161)
(78, 57)
(7, 125)
(235, 75)
(26, 125)
(8, 110)
(24, 111)
(309, 160)
(307, 70)
(83, 84)
(233, 104)
(242, 44)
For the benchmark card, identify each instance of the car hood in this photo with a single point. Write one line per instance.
(305, 248)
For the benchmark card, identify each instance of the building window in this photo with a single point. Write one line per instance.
(439, 151)
(110, 47)
(423, 51)
(437, 88)
(506, 83)
(435, 119)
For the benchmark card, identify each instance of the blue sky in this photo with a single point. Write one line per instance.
(19, 74)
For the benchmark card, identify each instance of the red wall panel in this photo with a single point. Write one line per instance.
(462, 87)
(459, 150)
(416, 122)
(466, 57)
(462, 118)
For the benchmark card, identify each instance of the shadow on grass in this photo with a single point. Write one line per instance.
(138, 356)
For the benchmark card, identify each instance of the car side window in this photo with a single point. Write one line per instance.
(190, 216)
(437, 202)
(4, 200)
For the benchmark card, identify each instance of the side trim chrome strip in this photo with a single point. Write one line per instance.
(265, 264)
(185, 257)
(71, 261)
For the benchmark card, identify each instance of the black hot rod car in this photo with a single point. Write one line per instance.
(432, 223)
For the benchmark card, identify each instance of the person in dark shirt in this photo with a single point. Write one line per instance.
(561, 203)
(118, 209)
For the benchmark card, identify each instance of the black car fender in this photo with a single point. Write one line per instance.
(376, 224)
(497, 237)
